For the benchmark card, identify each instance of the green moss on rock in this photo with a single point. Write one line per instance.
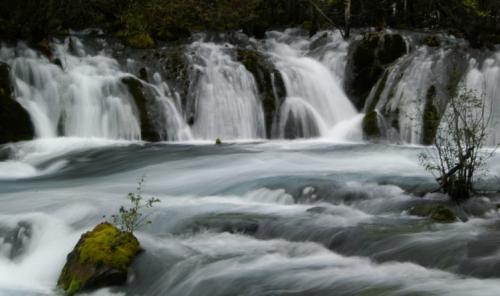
(101, 258)
(443, 215)
(437, 212)
(371, 129)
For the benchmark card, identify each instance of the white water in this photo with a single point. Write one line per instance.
(316, 100)
(360, 240)
(406, 88)
(484, 78)
(226, 97)
(86, 99)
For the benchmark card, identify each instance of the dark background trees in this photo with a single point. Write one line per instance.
(477, 20)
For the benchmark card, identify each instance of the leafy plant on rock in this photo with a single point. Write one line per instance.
(132, 218)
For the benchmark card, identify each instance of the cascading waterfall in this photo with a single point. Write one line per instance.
(86, 99)
(316, 100)
(227, 104)
(173, 125)
(402, 93)
(484, 79)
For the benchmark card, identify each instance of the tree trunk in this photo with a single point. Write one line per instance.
(347, 19)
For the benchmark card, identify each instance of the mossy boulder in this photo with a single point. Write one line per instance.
(443, 215)
(101, 258)
(437, 212)
(269, 83)
(136, 89)
(15, 122)
(369, 58)
(370, 125)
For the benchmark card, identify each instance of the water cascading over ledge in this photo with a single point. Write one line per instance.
(82, 89)
(225, 95)
(313, 78)
(81, 97)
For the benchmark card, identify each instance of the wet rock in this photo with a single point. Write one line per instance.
(136, 89)
(15, 122)
(431, 118)
(370, 57)
(17, 239)
(443, 215)
(370, 125)
(269, 83)
(317, 210)
(101, 258)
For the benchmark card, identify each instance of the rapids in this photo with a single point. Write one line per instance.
(251, 217)
(263, 218)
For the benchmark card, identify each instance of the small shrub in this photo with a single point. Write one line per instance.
(132, 218)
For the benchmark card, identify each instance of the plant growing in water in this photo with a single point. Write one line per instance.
(132, 218)
(458, 155)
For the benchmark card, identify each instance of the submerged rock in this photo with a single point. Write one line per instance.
(101, 258)
(438, 213)
(15, 122)
(443, 215)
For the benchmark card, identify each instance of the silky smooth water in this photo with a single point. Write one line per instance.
(264, 218)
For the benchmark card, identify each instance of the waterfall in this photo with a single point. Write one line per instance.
(313, 80)
(83, 97)
(401, 95)
(484, 78)
(227, 103)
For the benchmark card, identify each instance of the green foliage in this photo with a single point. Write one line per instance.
(140, 40)
(130, 219)
(458, 156)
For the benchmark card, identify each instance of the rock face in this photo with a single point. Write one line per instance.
(269, 83)
(101, 258)
(136, 89)
(369, 58)
(15, 122)
(371, 129)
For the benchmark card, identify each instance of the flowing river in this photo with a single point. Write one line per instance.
(262, 218)
(326, 215)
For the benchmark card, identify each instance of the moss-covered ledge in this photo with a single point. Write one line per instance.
(101, 258)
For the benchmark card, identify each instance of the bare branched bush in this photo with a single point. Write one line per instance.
(458, 156)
